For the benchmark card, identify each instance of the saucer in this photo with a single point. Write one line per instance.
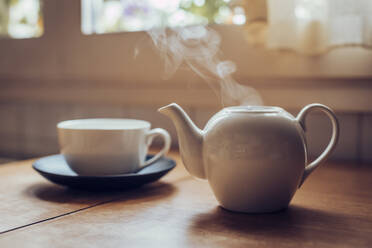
(55, 169)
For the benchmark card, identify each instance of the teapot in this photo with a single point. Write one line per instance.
(254, 157)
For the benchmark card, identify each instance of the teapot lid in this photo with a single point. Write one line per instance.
(253, 109)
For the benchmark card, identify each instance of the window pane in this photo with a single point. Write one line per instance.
(20, 19)
(106, 16)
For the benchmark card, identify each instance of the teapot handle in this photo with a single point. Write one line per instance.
(332, 143)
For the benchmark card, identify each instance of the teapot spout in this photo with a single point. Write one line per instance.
(190, 139)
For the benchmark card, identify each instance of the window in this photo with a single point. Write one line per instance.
(107, 16)
(20, 19)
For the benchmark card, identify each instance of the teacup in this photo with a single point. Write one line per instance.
(108, 146)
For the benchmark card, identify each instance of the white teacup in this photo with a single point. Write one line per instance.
(108, 146)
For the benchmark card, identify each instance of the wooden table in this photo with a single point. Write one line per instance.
(332, 209)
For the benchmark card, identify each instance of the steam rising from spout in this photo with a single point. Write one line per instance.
(198, 47)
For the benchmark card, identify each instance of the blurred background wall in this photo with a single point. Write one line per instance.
(64, 74)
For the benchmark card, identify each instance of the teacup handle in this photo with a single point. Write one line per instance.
(332, 143)
(167, 142)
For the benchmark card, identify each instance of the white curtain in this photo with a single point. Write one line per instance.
(314, 26)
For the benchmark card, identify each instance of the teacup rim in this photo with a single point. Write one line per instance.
(73, 124)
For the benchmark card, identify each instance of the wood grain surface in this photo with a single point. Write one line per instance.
(332, 209)
(26, 197)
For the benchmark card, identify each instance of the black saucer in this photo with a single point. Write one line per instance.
(55, 169)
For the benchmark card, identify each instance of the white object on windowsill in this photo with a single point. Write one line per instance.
(314, 26)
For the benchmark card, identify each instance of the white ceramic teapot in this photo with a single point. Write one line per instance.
(254, 157)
